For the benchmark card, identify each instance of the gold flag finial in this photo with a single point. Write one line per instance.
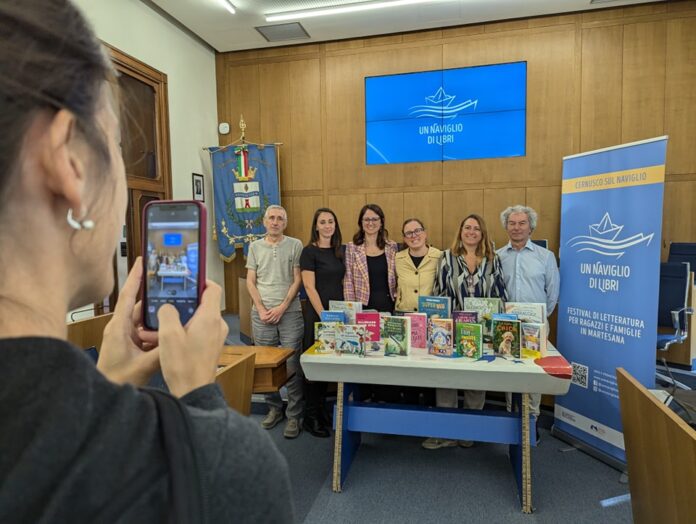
(242, 126)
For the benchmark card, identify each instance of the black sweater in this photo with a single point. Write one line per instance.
(75, 447)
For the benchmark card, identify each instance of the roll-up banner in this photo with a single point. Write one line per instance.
(611, 223)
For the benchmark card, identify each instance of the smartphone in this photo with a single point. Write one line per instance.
(174, 245)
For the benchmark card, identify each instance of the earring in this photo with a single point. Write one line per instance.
(79, 224)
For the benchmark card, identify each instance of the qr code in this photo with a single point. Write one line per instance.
(579, 375)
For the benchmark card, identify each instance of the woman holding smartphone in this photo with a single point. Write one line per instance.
(370, 263)
(321, 263)
(469, 268)
(82, 443)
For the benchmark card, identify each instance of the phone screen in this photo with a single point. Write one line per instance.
(172, 239)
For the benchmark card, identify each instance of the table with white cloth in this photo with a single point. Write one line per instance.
(548, 375)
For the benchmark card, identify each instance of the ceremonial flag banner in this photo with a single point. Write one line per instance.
(245, 183)
(611, 222)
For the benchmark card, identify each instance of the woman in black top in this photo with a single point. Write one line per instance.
(323, 269)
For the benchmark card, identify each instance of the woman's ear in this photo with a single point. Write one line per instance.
(61, 160)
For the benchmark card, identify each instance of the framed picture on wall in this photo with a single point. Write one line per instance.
(198, 188)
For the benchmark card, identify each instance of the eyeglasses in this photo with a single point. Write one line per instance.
(371, 220)
(414, 233)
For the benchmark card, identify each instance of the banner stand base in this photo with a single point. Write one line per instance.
(589, 450)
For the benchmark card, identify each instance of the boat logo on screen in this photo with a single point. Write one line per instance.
(440, 106)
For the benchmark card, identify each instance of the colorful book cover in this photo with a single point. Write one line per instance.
(531, 312)
(325, 336)
(435, 307)
(506, 337)
(485, 307)
(504, 316)
(419, 330)
(350, 308)
(464, 317)
(533, 340)
(350, 338)
(441, 335)
(469, 340)
(396, 336)
(333, 316)
(372, 322)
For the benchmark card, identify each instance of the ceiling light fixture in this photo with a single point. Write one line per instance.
(337, 10)
(229, 6)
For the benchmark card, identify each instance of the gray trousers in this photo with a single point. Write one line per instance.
(447, 398)
(534, 401)
(287, 333)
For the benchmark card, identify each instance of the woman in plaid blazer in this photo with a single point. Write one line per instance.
(370, 272)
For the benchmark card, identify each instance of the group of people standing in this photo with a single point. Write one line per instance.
(373, 271)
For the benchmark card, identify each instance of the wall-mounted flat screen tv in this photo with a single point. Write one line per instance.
(451, 114)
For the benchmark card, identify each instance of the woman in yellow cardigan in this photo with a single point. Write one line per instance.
(416, 267)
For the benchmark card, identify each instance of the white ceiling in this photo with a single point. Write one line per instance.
(227, 32)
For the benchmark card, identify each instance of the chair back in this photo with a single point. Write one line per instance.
(674, 291)
(683, 252)
(541, 242)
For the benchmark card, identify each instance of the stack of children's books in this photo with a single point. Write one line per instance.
(519, 332)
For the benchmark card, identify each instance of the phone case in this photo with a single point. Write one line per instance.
(202, 248)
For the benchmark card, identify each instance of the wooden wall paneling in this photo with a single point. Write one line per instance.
(347, 207)
(552, 111)
(601, 15)
(494, 201)
(345, 134)
(600, 111)
(292, 226)
(303, 212)
(680, 95)
(678, 224)
(275, 116)
(426, 206)
(642, 10)
(546, 201)
(306, 133)
(233, 271)
(643, 86)
(244, 99)
(681, 7)
(455, 206)
(393, 206)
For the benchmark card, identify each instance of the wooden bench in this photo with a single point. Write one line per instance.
(236, 379)
(270, 365)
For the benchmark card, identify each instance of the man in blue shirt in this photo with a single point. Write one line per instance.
(530, 271)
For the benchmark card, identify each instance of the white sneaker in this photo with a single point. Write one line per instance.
(437, 443)
(292, 428)
(272, 419)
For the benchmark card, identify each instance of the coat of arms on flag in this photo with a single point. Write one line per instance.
(245, 183)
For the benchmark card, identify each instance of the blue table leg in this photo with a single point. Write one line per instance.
(520, 454)
(346, 443)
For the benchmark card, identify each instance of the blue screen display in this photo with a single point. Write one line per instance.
(172, 239)
(452, 114)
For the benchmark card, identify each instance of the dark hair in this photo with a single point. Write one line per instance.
(50, 59)
(485, 246)
(411, 220)
(382, 234)
(336, 239)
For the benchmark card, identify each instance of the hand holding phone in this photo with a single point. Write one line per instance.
(174, 246)
(189, 354)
